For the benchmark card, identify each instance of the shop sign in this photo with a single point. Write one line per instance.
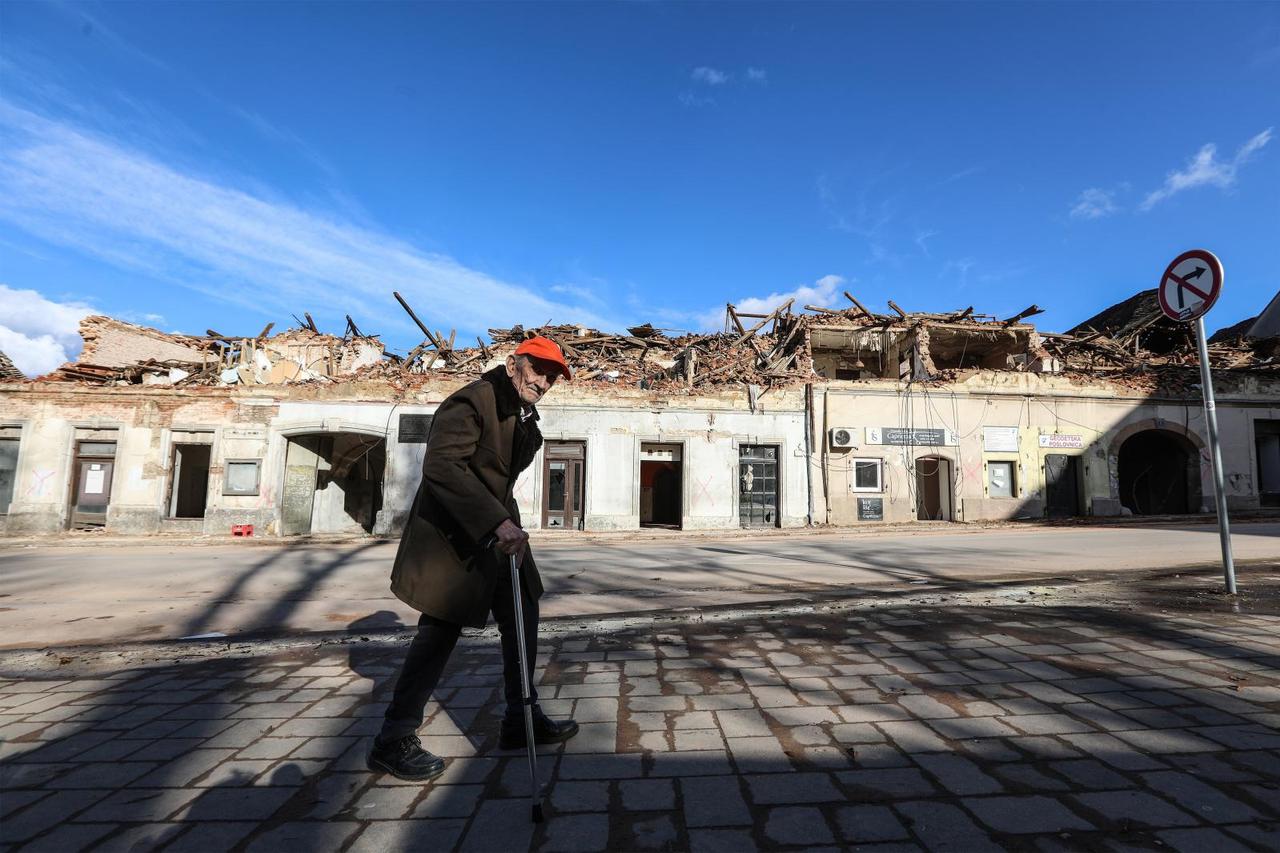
(1058, 439)
(903, 437)
(870, 509)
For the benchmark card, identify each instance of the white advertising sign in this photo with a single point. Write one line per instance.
(95, 481)
(1000, 439)
(1058, 439)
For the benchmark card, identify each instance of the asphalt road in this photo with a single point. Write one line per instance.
(52, 595)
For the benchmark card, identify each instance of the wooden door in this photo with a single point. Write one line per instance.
(301, 471)
(1061, 475)
(564, 485)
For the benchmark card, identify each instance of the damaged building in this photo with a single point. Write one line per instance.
(814, 415)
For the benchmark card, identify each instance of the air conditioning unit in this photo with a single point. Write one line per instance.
(842, 437)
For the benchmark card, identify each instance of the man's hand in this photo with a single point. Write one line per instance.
(512, 540)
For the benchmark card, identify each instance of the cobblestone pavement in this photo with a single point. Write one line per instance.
(1027, 718)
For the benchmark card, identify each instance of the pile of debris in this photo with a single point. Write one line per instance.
(645, 356)
(1135, 336)
(1130, 342)
(856, 343)
(119, 353)
(9, 373)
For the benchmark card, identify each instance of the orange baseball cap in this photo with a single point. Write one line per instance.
(545, 349)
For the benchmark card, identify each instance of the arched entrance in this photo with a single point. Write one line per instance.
(1159, 473)
(332, 483)
(933, 489)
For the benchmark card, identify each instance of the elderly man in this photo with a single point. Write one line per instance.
(452, 561)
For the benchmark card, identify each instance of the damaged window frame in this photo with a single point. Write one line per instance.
(231, 491)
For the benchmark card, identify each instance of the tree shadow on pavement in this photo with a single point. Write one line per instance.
(958, 725)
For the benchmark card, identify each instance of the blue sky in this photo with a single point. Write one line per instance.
(222, 166)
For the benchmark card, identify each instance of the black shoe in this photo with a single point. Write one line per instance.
(405, 759)
(545, 731)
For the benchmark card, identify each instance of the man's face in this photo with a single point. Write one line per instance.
(532, 377)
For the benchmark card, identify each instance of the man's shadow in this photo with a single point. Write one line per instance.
(380, 662)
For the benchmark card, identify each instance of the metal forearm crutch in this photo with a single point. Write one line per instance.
(535, 790)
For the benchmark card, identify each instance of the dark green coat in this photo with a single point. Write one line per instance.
(477, 448)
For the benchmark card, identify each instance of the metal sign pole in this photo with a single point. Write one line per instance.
(1211, 418)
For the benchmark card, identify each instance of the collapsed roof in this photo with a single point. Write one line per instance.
(1267, 324)
(8, 372)
(1136, 336)
(1130, 339)
(116, 352)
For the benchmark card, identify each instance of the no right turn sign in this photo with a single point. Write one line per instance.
(1190, 285)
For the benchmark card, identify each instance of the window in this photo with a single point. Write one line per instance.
(867, 475)
(240, 476)
(1000, 479)
(97, 448)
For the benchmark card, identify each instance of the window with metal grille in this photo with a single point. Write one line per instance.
(758, 485)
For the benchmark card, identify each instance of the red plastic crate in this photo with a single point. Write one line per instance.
(242, 530)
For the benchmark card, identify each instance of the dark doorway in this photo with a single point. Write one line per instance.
(332, 483)
(661, 486)
(1159, 474)
(564, 490)
(190, 484)
(758, 485)
(1062, 485)
(1266, 438)
(933, 489)
(8, 471)
(91, 483)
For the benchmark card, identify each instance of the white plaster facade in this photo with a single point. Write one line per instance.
(1097, 418)
(144, 423)
(47, 419)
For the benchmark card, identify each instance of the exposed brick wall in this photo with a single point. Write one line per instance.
(111, 343)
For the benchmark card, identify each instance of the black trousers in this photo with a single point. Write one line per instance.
(430, 650)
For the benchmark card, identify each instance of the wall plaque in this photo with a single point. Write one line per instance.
(1000, 439)
(414, 429)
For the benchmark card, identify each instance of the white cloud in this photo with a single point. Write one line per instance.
(958, 268)
(37, 333)
(85, 191)
(1205, 169)
(710, 76)
(923, 238)
(584, 294)
(757, 75)
(689, 99)
(965, 173)
(825, 292)
(1094, 203)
